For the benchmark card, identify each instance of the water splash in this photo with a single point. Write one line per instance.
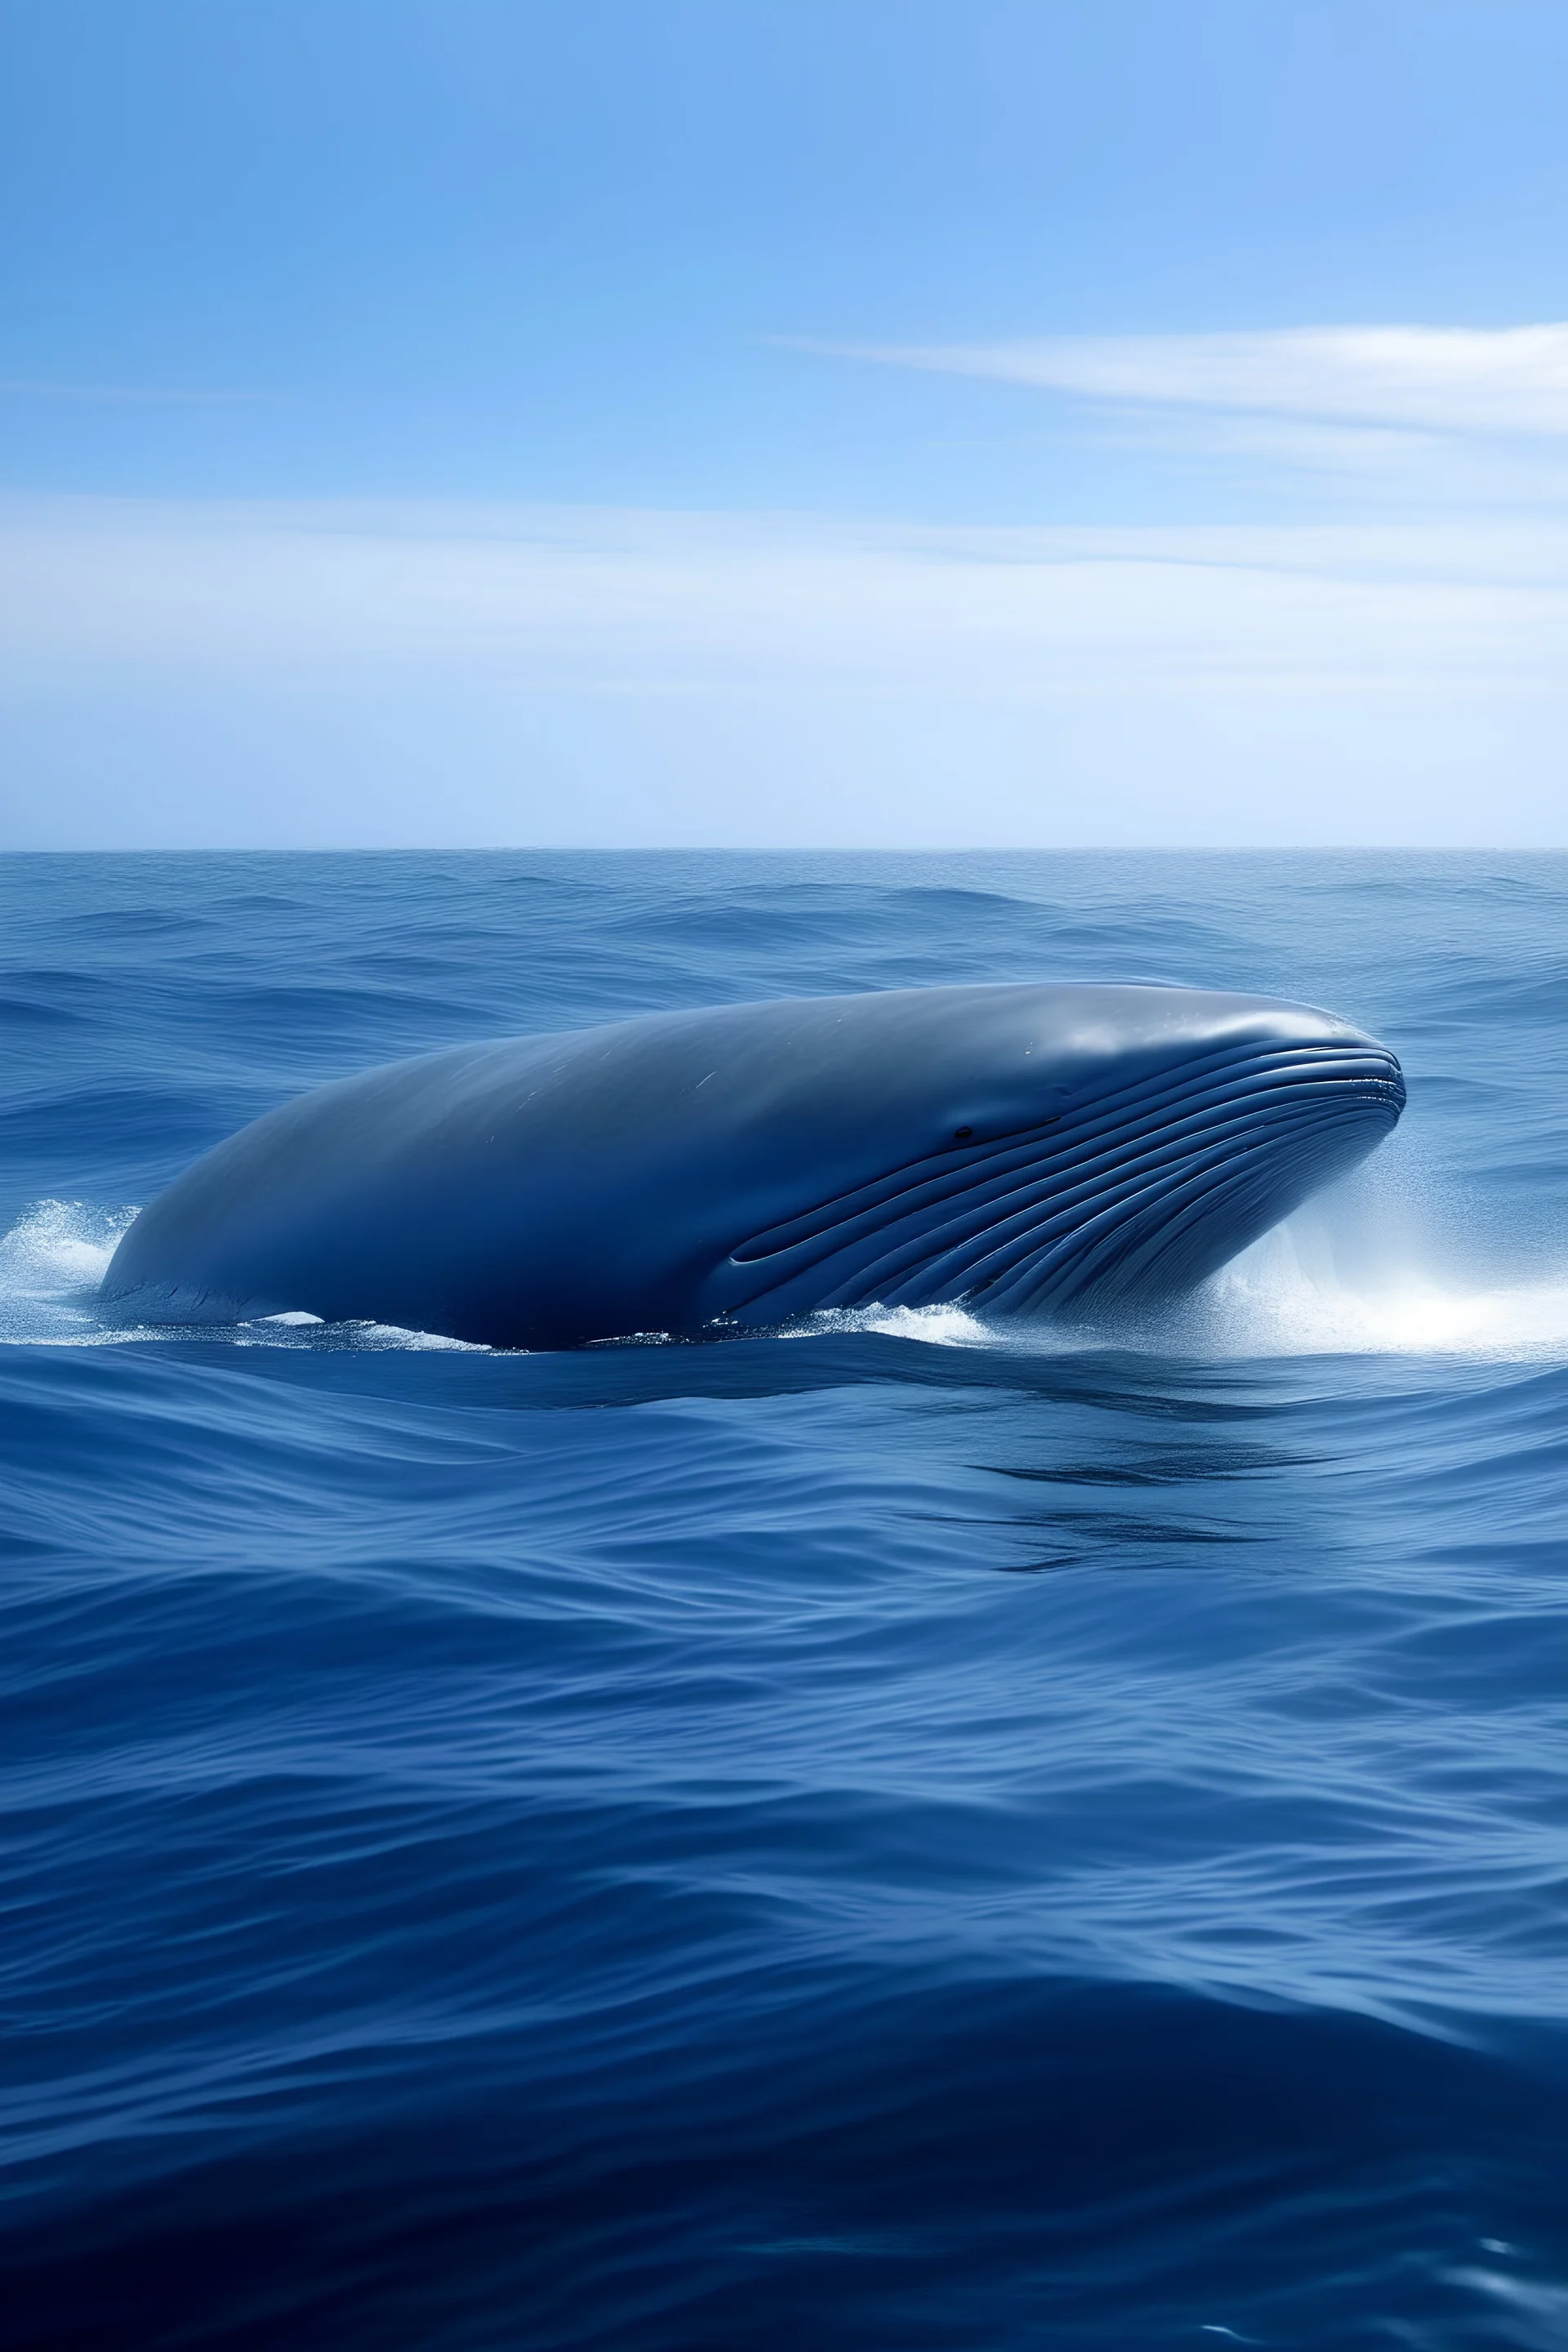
(1306, 1290)
(51, 1262)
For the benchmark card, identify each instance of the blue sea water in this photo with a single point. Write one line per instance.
(896, 1834)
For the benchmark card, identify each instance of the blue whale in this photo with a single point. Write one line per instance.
(1021, 1147)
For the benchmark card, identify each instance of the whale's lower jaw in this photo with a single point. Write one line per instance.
(1137, 1197)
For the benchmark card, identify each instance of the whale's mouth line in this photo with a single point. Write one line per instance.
(1120, 1191)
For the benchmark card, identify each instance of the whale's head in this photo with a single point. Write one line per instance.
(1029, 1149)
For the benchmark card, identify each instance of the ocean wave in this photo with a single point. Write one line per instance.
(903, 1832)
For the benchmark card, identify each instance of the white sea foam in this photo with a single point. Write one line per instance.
(311, 1331)
(939, 1326)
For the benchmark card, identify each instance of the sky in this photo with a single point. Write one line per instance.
(800, 422)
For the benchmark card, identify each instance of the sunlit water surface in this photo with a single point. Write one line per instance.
(898, 1833)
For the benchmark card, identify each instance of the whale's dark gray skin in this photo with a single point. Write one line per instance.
(1021, 1147)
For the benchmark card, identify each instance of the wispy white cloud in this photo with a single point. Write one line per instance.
(1450, 380)
(293, 671)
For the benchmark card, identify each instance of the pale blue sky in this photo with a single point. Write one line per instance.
(602, 420)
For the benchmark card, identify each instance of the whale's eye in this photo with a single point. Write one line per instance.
(963, 1134)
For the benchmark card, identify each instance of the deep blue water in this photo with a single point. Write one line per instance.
(897, 1835)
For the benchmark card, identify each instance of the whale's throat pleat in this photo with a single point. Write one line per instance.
(1140, 1192)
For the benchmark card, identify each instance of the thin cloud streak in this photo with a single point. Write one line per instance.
(1450, 380)
(684, 601)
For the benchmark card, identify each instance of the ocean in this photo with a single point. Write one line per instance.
(897, 1835)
